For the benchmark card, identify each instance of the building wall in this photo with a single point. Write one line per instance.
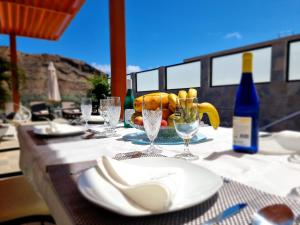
(278, 98)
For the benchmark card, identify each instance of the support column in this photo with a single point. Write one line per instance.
(117, 48)
(14, 72)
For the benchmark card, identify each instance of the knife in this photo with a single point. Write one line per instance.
(226, 214)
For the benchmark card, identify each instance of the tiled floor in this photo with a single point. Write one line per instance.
(9, 157)
(9, 161)
(9, 152)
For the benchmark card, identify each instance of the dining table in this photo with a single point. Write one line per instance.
(53, 165)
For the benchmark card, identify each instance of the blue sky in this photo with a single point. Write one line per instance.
(163, 32)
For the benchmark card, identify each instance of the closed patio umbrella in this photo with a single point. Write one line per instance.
(53, 89)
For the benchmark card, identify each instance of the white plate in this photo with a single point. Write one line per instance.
(281, 143)
(94, 119)
(63, 130)
(198, 185)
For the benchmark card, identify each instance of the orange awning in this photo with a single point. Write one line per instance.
(45, 19)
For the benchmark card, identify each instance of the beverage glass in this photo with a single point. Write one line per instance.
(86, 110)
(186, 123)
(103, 109)
(152, 114)
(113, 113)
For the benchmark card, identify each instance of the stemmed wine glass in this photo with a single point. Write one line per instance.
(103, 108)
(186, 123)
(152, 114)
(113, 113)
(86, 110)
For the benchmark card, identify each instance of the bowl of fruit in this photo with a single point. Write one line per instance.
(168, 108)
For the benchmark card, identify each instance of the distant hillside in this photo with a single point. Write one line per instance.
(72, 74)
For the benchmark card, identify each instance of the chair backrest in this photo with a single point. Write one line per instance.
(68, 105)
(282, 119)
(39, 106)
(36, 103)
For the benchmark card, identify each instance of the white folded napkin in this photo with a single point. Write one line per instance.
(53, 127)
(168, 179)
(284, 142)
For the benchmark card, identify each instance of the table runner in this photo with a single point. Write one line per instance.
(81, 211)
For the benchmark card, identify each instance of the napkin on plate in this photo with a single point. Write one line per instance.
(284, 142)
(169, 179)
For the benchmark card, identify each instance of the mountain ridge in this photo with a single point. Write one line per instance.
(72, 74)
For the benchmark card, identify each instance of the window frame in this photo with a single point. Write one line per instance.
(178, 64)
(233, 53)
(136, 83)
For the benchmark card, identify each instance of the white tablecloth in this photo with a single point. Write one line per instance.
(270, 173)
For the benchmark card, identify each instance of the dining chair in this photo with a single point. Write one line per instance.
(280, 120)
(70, 110)
(20, 204)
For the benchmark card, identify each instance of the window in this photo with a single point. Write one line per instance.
(184, 75)
(227, 70)
(148, 80)
(294, 61)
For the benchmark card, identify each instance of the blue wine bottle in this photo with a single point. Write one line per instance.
(246, 111)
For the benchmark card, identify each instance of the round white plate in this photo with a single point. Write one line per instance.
(63, 130)
(199, 184)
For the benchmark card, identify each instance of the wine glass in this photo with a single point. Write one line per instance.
(113, 113)
(103, 108)
(186, 123)
(152, 114)
(86, 110)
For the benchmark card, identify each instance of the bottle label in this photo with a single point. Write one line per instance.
(242, 131)
(127, 115)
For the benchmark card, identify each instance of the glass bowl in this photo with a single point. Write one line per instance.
(163, 131)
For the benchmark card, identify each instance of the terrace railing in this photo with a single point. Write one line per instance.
(276, 72)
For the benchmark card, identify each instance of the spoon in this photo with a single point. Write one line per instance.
(149, 195)
(295, 193)
(278, 214)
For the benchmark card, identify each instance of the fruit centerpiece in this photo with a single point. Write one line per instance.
(168, 108)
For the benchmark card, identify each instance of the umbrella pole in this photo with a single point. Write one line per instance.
(14, 72)
(117, 48)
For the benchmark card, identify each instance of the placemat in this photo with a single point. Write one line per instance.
(39, 140)
(141, 138)
(63, 178)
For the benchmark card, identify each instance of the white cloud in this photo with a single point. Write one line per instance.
(133, 68)
(285, 33)
(106, 68)
(233, 35)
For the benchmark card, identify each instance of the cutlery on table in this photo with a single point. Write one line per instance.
(294, 193)
(226, 214)
(278, 214)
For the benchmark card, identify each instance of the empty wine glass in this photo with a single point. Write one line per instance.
(186, 123)
(103, 108)
(152, 114)
(86, 110)
(113, 112)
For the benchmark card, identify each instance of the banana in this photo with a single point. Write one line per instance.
(212, 113)
(192, 93)
(171, 120)
(182, 94)
(172, 101)
(138, 102)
